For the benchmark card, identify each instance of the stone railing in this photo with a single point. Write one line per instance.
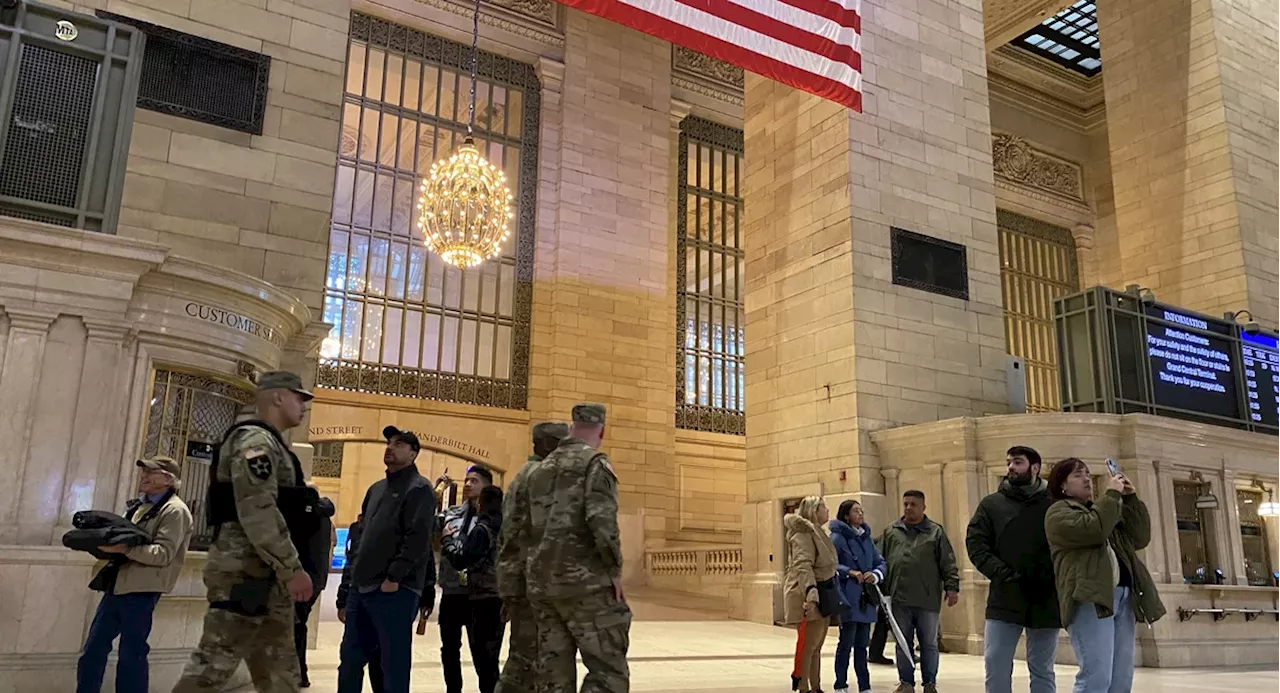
(693, 561)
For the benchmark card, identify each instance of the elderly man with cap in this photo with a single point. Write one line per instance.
(520, 673)
(391, 569)
(567, 509)
(142, 574)
(257, 497)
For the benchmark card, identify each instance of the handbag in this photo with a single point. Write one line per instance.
(829, 599)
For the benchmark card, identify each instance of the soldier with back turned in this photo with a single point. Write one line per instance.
(568, 510)
(520, 673)
(254, 574)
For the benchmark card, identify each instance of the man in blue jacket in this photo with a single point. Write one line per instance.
(858, 563)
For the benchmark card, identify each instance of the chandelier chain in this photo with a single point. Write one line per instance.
(475, 58)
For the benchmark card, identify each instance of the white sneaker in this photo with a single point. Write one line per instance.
(842, 690)
(866, 691)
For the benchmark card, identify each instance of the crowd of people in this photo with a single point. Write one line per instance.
(1055, 557)
(544, 561)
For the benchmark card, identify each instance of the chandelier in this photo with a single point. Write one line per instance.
(464, 205)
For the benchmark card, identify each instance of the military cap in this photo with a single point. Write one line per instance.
(550, 429)
(408, 437)
(588, 413)
(161, 463)
(283, 380)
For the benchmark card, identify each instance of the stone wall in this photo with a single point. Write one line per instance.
(1191, 118)
(258, 204)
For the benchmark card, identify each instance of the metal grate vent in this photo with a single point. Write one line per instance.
(50, 126)
(67, 85)
(929, 264)
(202, 80)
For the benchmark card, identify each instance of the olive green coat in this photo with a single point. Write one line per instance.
(1078, 535)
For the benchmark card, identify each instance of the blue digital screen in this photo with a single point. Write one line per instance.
(1261, 376)
(340, 550)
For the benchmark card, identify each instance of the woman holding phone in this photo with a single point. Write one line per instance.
(1103, 587)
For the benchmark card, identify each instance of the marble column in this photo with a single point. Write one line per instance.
(49, 444)
(19, 383)
(1147, 484)
(1164, 515)
(1222, 555)
(96, 454)
(1233, 547)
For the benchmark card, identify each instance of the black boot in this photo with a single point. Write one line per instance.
(795, 682)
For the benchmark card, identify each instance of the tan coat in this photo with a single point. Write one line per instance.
(811, 559)
(155, 567)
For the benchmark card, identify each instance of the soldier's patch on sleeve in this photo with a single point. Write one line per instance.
(259, 463)
(608, 467)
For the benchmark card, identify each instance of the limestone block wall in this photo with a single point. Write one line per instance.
(258, 204)
(1191, 119)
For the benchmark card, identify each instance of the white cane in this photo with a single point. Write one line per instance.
(893, 624)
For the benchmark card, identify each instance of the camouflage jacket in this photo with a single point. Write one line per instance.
(512, 541)
(567, 507)
(257, 465)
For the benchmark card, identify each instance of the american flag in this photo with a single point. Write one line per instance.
(812, 45)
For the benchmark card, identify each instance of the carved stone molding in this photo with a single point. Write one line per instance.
(706, 75)
(1083, 235)
(1014, 159)
(531, 19)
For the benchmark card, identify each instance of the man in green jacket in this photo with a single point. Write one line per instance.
(922, 566)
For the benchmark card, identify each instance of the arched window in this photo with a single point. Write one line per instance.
(710, 280)
(404, 322)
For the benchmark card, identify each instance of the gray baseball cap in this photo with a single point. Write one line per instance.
(283, 380)
(589, 413)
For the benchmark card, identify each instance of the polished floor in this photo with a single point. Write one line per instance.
(679, 648)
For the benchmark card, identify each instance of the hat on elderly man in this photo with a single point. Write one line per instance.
(161, 463)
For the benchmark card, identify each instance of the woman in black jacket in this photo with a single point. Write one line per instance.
(475, 560)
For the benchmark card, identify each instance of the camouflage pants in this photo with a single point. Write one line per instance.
(265, 643)
(597, 626)
(520, 673)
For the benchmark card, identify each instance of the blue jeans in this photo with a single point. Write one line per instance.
(379, 624)
(923, 623)
(1001, 640)
(129, 617)
(1104, 646)
(853, 637)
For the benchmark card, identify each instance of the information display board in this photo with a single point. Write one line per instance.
(1121, 353)
(1261, 377)
(1191, 367)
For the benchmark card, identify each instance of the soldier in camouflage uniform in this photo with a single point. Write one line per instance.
(253, 574)
(568, 509)
(520, 673)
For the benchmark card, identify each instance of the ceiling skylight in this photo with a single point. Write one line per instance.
(1069, 38)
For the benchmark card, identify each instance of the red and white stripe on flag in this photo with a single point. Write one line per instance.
(812, 45)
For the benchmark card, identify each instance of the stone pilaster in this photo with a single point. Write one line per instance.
(1233, 550)
(1086, 262)
(1191, 120)
(1163, 514)
(97, 430)
(19, 383)
(604, 315)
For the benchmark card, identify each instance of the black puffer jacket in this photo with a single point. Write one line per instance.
(1006, 543)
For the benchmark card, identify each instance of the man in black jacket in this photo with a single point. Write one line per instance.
(389, 573)
(1006, 542)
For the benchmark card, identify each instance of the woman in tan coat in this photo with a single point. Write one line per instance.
(811, 561)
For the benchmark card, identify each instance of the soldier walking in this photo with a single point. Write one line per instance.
(520, 673)
(253, 574)
(567, 508)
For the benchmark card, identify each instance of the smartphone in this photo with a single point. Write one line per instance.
(1113, 467)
